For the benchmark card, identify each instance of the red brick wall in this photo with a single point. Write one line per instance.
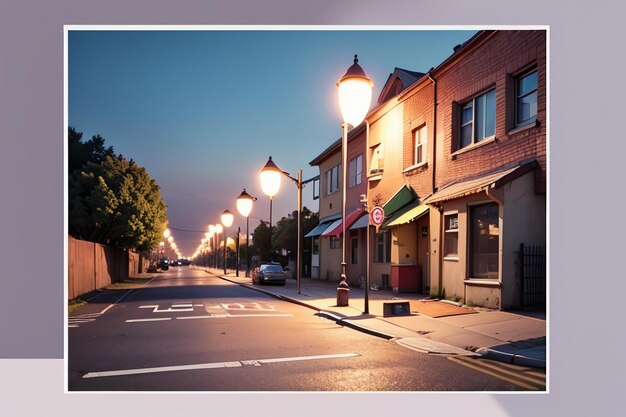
(493, 63)
(418, 111)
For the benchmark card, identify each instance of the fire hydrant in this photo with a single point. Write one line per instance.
(343, 292)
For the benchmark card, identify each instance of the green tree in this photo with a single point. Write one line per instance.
(115, 202)
(261, 242)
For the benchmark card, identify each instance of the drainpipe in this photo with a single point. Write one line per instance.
(434, 171)
(434, 168)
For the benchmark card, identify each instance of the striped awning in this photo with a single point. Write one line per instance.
(338, 229)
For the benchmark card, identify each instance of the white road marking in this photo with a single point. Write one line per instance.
(173, 309)
(215, 365)
(221, 316)
(141, 320)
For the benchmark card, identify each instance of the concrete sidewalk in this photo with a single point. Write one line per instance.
(511, 337)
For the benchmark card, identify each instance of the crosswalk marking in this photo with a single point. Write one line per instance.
(517, 375)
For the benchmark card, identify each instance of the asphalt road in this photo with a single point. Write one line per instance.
(188, 331)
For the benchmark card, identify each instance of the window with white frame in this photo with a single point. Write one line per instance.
(478, 119)
(355, 171)
(332, 179)
(382, 247)
(526, 98)
(377, 164)
(335, 242)
(451, 236)
(419, 146)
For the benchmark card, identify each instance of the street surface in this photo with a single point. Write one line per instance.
(186, 330)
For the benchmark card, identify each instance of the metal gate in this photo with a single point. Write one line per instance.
(533, 276)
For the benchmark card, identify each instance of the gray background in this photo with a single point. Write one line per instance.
(587, 235)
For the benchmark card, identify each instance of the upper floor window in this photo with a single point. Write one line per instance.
(478, 119)
(332, 179)
(377, 164)
(419, 146)
(355, 171)
(526, 98)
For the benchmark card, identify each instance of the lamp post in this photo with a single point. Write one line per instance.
(218, 230)
(270, 181)
(227, 220)
(244, 206)
(270, 184)
(355, 95)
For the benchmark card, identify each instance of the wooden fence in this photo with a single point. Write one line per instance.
(92, 266)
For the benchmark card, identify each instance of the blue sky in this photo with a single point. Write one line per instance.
(202, 110)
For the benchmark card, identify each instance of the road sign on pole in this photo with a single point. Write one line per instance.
(377, 215)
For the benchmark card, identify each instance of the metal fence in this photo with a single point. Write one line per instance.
(532, 264)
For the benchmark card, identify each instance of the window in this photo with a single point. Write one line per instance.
(383, 247)
(355, 251)
(484, 242)
(355, 171)
(451, 237)
(377, 164)
(316, 245)
(332, 179)
(526, 98)
(478, 119)
(335, 242)
(419, 146)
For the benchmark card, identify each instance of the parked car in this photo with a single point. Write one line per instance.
(272, 273)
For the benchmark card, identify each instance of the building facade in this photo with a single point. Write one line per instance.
(457, 159)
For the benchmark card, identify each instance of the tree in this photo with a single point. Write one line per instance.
(261, 241)
(114, 201)
(79, 153)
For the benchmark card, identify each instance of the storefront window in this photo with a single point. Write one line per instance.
(484, 241)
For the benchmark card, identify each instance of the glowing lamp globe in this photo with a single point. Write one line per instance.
(270, 178)
(218, 228)
(227, 218)
(244, 203)
(355, 94)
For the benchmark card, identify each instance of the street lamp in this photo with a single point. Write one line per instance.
(218, 229)
(227, 220)
(355, 95)
(212, 240)
(270, 183)
(244, 207)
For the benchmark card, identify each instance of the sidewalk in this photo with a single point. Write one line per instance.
(511, 337)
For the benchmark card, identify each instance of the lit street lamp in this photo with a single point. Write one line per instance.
(270, 183)
(218, 229)
(244, 207)
(355, 95)
(227, 220)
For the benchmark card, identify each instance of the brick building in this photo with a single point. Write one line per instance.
(457, 159)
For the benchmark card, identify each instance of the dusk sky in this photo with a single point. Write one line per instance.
(203, 109)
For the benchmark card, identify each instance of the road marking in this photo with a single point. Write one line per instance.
(215, 365)
(503, 374)
(176, 308)
(141, 320)
(223, 316)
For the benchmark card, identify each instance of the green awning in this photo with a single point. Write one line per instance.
(401, 198)
(409, 214)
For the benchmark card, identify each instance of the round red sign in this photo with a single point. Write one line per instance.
(377, 215)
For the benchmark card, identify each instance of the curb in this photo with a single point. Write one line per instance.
(511, 358)
(347, 323)
(486, 353)
(321, 313)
